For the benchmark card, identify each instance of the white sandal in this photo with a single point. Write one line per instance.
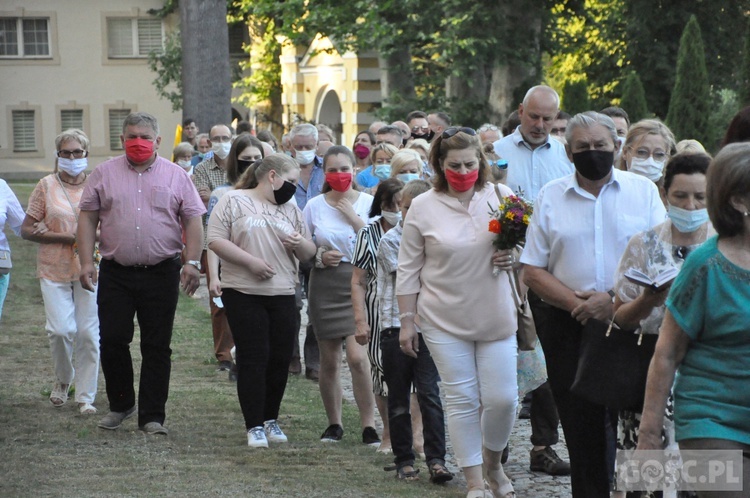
(86, 408)
(59, 394)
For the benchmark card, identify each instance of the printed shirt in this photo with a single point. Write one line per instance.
(140, 213)
(446, 258)
(210, 175)
(530, 169)
(365, 252)
(11, 213)
(580, 238)
(650, 252)
(710, 301)
(49, 204)
(386, 266)
(258, 228)
(330, 228)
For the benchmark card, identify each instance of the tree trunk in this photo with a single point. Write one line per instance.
(397, 75)
(206, 74)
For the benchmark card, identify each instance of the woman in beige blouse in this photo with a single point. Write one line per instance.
(446, 287)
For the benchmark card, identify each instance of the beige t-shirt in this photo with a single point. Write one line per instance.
(258, 228)
(48, 203)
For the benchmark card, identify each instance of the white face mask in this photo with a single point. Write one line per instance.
(185, 163)
(647, 167)
(392, 219)
(73, 167)
(221, 149)
(305, 156)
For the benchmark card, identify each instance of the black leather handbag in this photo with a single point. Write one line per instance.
(613, 366)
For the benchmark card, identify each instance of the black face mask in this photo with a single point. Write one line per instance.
(427, 136)
(594, 164)
(242, 165)
(285, 193)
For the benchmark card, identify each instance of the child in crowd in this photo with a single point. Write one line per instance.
(401, 371)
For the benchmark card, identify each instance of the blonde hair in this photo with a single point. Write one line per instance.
(690, 146)
(280, 163)
(72, 134)
(639, 130)
(402, 158)
(387, 148)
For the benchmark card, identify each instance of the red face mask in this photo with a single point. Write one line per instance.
(340, 182)
(361, 151)
(139, 150)
(459, 182)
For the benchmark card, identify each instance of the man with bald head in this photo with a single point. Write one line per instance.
(534, 159)
(207, 176)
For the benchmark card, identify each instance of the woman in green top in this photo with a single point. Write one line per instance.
(706, 330)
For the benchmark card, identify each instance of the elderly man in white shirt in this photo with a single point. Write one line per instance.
(580, 228)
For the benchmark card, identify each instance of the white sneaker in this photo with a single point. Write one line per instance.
(274, 432)
(256, 438)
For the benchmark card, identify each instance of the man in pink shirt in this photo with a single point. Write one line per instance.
(142, 202)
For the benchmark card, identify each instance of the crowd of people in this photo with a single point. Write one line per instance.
(388, 241)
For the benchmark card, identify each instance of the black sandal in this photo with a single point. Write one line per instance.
(408, 475)
(439, 474)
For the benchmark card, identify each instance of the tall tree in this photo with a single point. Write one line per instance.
(690, 105)
(633, 98)
(653, 38)
(575, 97)
(206, 73)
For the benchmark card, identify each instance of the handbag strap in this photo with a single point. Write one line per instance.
(72, 207)
(515, 288)
(612, 323)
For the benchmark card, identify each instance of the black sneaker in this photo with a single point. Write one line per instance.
(370, 436)
(547, 461)
(333, 434)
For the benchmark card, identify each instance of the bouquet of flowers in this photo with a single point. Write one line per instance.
(509, 222)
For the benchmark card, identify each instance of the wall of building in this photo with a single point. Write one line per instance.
(77, 74)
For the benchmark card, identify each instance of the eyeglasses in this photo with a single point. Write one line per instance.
(74, 154)
(681, 252)
(658, 155)
(500, 164)
(420, 128)
(222, 138)
(488, 127)
(449, 132)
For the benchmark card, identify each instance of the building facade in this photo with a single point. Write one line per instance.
(76, 64)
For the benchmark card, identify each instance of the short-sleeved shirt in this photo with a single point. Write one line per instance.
(386, 267)
(531, 169)
(330, 228)
(710, 301)
(210, 175)
(650, 252)
(580, 238)
(258, 228)
(141, 213)
(49, 203)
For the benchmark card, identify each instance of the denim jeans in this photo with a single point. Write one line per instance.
(400, 372)
(264, 328)
(151, 295)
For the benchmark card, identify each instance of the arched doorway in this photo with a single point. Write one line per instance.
(329, 113)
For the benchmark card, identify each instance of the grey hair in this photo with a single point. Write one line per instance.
(141, 119)
(304, 130)
(72, 134)
(541, 88)
(182, 148)
(587, 120)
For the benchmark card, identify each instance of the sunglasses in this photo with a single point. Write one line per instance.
(448, 133)
(500, 164)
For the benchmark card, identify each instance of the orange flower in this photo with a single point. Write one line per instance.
(494, 226)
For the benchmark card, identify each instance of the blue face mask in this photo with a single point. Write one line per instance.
(382, 171)
(687, 221)
(407, 177)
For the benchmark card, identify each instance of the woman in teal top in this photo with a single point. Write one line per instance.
(705, 336)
